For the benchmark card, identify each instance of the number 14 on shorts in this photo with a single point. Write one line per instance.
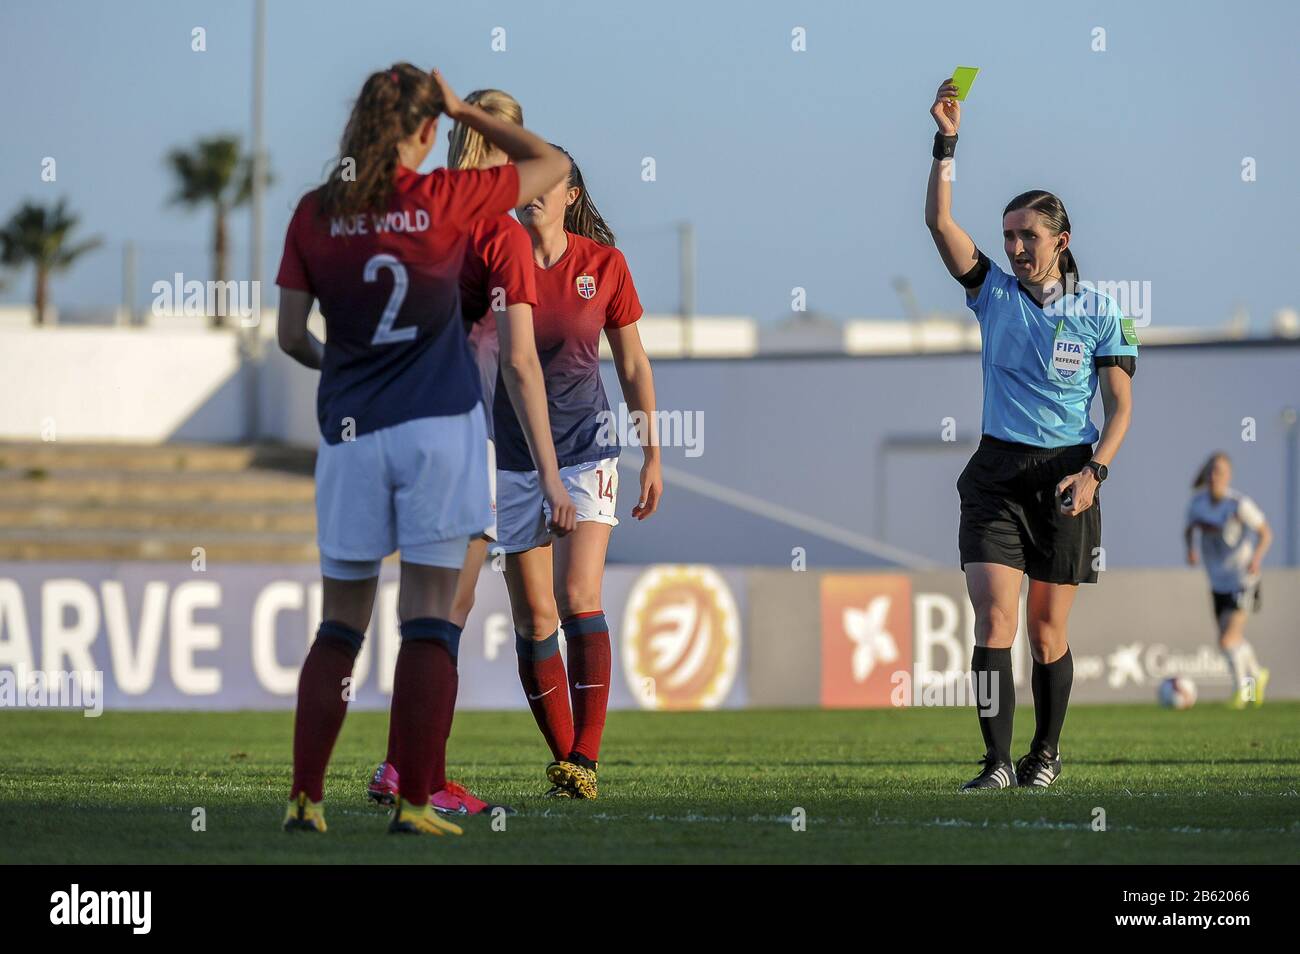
(605, 484)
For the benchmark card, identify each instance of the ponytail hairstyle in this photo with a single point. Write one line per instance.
(392, 105)
(1055, 217)
(1202, 479)
(583, 218)
(467, 148)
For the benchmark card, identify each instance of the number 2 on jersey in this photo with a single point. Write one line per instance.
(384, 333)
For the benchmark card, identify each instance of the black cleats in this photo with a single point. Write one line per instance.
(1039, 769)
(996, 774)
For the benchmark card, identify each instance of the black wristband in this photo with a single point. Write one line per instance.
(944, 146)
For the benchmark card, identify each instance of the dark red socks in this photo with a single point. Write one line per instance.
(587, 637)
(424, 701)
(541, 673)
(322, 704)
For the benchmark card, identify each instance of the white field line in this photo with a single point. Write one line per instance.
(1043, 824)
(1040, 824)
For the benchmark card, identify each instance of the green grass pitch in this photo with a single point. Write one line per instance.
(1203, 786)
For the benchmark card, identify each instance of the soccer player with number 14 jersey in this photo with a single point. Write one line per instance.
(584, 290)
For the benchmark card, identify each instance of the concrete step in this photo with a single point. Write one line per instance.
(69, 501)
(108, 487)
(163, 458)
(218, 546)
(236, 516)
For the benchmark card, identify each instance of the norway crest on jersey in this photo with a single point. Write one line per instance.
(586, 286)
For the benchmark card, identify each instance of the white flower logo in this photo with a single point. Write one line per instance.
(872, 642)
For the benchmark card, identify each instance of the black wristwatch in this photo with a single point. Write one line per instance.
(1100, 471)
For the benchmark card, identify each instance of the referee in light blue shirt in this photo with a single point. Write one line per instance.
(1029, 500)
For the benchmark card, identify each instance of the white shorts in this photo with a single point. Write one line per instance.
(420, 487)
(523, 513)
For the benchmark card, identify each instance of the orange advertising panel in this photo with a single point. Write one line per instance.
(866, 638)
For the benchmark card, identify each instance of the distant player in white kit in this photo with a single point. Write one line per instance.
(1234, 538)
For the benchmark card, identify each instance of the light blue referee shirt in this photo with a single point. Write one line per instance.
(1039, 378)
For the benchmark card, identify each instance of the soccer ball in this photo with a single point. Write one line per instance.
(1177, 693)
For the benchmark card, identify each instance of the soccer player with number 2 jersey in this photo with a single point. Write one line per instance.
(497, 288)
(402, 464)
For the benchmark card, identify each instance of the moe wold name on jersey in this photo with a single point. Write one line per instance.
(405, 220)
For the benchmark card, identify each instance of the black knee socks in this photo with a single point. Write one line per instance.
(996, 698)
(1051, 684)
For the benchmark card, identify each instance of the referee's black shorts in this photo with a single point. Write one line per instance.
(1010, 514)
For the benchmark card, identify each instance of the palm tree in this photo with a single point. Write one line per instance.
(39, 234)
(214, 172)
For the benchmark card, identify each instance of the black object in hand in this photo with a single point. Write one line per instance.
(1067, 498)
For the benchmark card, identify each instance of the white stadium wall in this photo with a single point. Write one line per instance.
(287, 397)
(120, 385)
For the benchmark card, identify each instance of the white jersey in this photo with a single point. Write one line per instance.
(1229, 531)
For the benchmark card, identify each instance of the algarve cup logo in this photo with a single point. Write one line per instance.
(681, 638)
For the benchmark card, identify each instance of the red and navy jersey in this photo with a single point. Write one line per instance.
(497, 273)
(389, 289)
(588, 290)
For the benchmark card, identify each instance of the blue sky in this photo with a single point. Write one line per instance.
(797, 168)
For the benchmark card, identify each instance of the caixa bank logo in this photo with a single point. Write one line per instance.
(1139, 664)
(681, 638)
